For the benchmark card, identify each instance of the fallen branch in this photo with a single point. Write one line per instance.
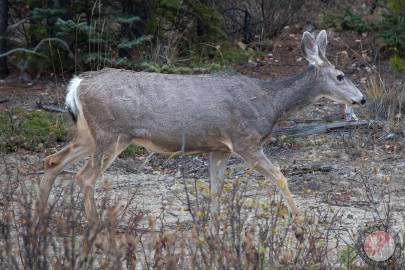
(307, 169)
(50, 108)
(12, 27)
(305, 130)
(21, 50)
(43, 172)
(34, 51)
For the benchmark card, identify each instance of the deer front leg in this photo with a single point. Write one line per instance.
(106, 152)
(86, 179)
(217, 166)
(258, 161)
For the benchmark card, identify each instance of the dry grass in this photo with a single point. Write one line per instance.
(386, 102)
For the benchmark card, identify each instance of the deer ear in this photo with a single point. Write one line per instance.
(310, 48)
(322, 41)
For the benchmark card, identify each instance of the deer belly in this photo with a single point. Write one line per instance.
(153, 147)
(190, 149)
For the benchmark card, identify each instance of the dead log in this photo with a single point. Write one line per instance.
(50, 108)
(305, 130)
(307, 169)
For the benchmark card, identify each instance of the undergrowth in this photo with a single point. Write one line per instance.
(30, 130)
(385, 102)
(252, 231)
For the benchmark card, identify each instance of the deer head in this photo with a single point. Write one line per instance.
(331, 82)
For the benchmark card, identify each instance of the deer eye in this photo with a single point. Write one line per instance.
(340, 77)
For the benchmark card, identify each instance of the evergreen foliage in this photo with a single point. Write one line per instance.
(109, 33)
(391, 29)
(393, 25)
(169, 33)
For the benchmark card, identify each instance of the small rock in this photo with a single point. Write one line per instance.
(252, 63)
(241, 45)
(387, 136)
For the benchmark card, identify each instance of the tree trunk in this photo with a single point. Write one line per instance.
(144, 9)
(126, 9)
(201, 30)
(3, 41)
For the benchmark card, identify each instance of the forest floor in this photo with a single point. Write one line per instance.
(360, 162)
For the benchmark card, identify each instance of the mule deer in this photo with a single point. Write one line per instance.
(219, 114)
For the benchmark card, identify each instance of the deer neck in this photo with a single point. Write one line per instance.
(286, 96)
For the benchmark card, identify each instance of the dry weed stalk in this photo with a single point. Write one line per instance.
(386, 102)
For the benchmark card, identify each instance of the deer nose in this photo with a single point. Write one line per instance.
(362, 101)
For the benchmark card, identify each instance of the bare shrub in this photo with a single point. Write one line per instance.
(385, 102)
(166, 48)
(258, 18)
(252, 231)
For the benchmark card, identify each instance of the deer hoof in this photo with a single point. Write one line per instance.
(299, 233)
(298, 228)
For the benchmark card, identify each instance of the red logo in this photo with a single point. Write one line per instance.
(379, 246)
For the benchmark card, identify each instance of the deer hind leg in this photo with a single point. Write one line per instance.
(217, 166)
(55, 159)
(105, 154)
(55, 163)
(258, 161)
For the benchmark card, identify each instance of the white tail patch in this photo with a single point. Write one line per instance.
(72, 100)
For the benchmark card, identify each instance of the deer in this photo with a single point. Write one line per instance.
(218, 114)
